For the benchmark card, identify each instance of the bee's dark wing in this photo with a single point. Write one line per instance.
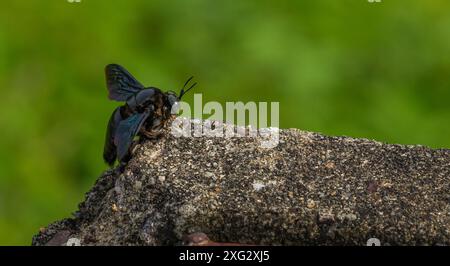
(126, 131)
(109, 150)
(121, 84)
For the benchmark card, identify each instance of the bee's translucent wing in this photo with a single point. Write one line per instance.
(120, 83)
(126, 131)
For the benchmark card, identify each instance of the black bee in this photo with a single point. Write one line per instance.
(145, 113)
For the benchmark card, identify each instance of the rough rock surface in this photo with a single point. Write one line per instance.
(309, 190)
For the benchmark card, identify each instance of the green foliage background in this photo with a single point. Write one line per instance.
(347, 67)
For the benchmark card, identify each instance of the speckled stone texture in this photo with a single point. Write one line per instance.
(309, 190)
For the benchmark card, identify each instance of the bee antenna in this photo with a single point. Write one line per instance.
(183, 92)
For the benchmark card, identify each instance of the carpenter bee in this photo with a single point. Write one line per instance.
(145, 112)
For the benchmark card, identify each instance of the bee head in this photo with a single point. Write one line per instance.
(172, 98)
(171, 102)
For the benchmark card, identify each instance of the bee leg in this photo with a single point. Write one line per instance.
(122, 164)
(133, 147)
(155, 131)
(131, 151)
(120, 168)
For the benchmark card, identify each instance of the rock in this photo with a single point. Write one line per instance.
(310, 189)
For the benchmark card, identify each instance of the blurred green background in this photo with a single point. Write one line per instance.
(347, 67)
